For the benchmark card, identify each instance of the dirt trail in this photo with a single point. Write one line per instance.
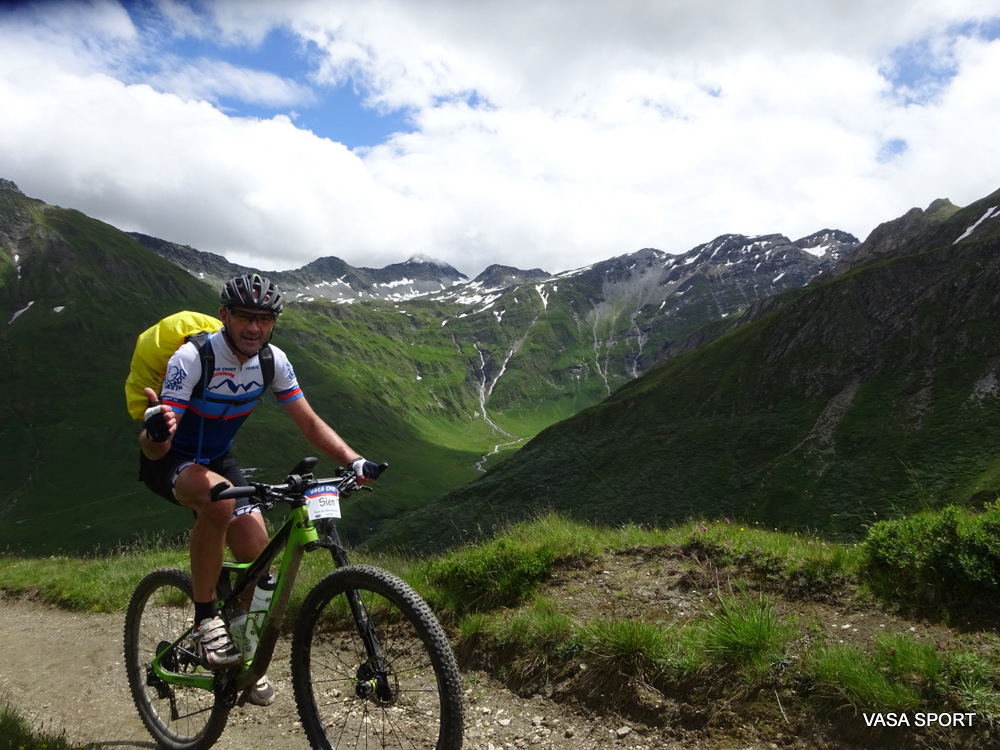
(64, 672)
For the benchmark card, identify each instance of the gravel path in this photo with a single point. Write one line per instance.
(64, 672)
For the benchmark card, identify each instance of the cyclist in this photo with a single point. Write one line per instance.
(186, 448)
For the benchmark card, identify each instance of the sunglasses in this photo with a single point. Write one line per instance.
(247, 317)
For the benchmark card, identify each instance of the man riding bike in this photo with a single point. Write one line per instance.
(186, 447)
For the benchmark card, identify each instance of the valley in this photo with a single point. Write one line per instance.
(752, 376)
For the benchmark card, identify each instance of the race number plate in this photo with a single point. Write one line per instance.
(324, 501)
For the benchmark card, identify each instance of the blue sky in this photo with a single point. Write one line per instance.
(533, 133)
(335, 111)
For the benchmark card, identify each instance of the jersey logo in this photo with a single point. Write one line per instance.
(234, 388)
(174, 378)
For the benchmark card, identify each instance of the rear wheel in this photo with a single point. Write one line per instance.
(410, 696)
(161, 611)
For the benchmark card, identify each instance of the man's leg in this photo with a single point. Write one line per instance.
(208, 536)
(214, 528)
(192, 487)
(247, 536)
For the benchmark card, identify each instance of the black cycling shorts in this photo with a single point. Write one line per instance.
(161, 475)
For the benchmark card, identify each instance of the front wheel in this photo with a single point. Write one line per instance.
(392, 682)
(178, 717)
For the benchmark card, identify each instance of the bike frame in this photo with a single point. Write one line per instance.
(297, 535)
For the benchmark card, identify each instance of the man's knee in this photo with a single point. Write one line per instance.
(247, 536)
(193, 490)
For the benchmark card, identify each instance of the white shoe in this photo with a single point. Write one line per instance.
(262, 694)
(213, 646)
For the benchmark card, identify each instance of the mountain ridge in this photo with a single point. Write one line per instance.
(866, 393)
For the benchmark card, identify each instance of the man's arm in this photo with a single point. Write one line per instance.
(319, 433)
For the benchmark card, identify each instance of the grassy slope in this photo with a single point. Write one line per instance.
(736, 625)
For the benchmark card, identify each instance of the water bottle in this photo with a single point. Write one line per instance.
(251, 625)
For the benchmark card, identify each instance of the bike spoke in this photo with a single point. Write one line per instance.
(351, 699)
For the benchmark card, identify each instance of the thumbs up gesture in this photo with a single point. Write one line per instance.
(160, 421)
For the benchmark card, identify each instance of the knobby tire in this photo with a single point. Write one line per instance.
(414, 699)
(178, 718)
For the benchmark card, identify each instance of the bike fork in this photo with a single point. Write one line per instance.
(372, 676)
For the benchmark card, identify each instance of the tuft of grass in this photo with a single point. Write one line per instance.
(845, 671)
(16, 733)
(541, 626)
(968, 678)
(506, 570)
(629, 648)
(746, 634)
(901, 673)
(907, 661)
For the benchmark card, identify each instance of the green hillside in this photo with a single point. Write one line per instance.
(417, 385)
(81, 291)
(868, 394)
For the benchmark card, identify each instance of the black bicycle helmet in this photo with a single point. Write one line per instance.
(252, 290)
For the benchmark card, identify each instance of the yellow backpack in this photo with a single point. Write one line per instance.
(153, 349)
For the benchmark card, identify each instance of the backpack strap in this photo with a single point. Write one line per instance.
(207, 355)
(266, 358)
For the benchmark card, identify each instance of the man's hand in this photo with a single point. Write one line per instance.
(159, 420)
(366, 470)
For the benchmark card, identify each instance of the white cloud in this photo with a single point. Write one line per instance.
(213, 81)
(546, 132)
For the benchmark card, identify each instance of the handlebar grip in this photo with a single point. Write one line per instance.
(225, 491)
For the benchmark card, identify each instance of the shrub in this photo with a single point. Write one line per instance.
(935, 559)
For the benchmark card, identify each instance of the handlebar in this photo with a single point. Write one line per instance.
(293, 489)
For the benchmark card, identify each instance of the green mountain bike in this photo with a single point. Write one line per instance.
(371, 665)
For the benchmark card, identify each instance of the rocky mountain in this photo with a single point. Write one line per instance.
(324, 278)
(734, 270)
(869, 393)
(625, 313)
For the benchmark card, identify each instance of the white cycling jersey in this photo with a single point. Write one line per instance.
(208, 422)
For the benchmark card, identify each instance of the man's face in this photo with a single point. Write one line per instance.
(248, 329)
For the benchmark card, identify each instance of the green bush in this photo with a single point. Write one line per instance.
(936, 559)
